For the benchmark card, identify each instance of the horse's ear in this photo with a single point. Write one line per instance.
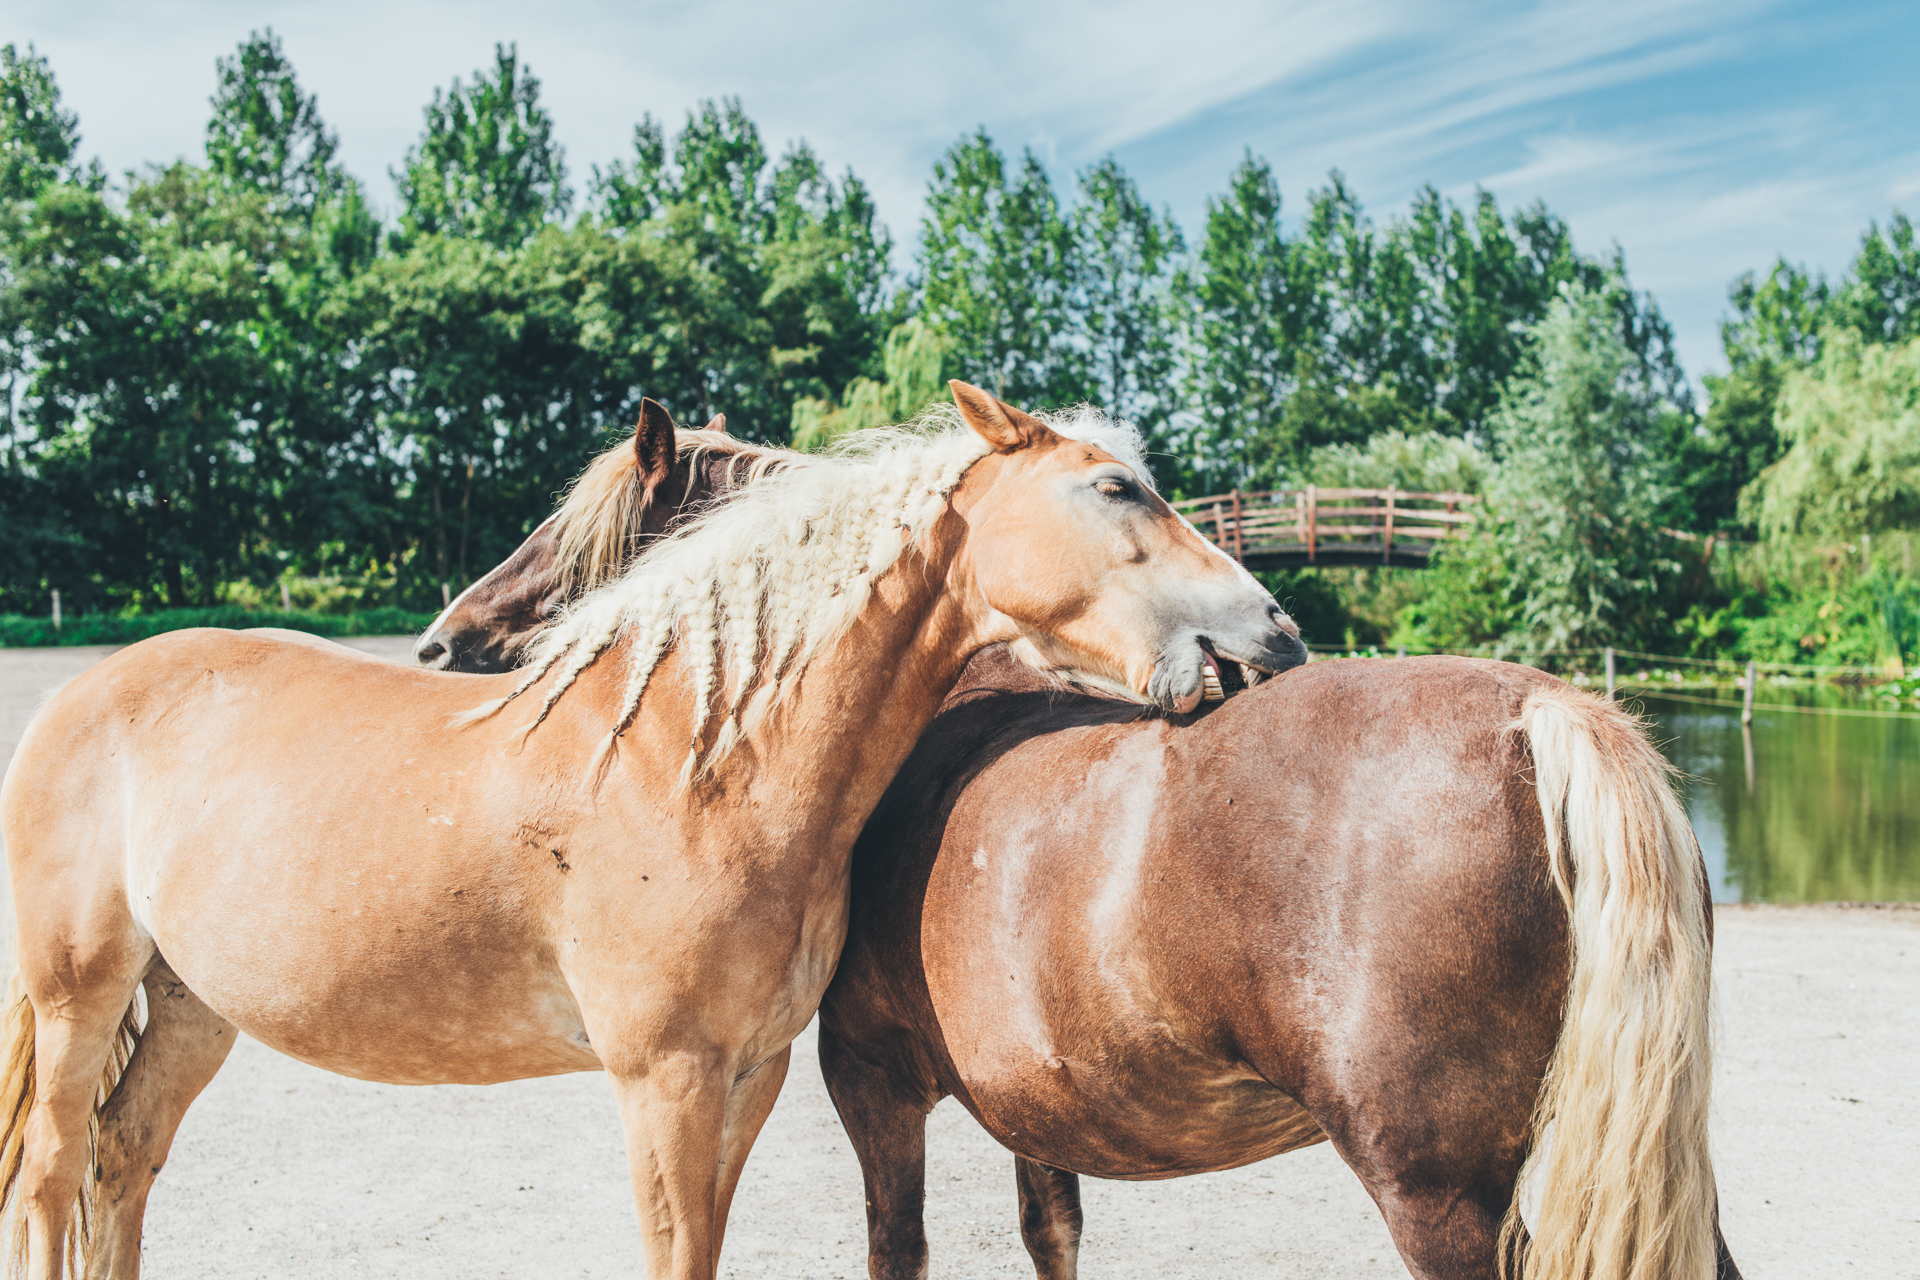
(999, 424)
(654, 449)
(719, 424)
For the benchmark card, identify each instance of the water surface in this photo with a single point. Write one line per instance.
(1808, 808)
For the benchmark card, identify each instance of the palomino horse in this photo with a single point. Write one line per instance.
(1425, 908)
(359, 867)
(629, 496)
(1428, 909)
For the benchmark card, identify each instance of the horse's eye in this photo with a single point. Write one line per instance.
(1112, 488)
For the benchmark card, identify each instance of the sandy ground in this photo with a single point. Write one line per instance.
(285, 1171)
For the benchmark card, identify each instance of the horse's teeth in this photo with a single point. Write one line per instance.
(1210, 684)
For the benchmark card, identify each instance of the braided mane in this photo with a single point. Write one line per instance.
(756, 586)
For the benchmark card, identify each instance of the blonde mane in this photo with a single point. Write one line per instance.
(600, 521)
(752, 589)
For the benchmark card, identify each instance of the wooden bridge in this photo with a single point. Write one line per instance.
(1289, 528)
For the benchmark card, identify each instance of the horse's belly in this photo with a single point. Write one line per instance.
(394, 978)
(1128, 1123)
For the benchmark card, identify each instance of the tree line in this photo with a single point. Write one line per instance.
(235, 372)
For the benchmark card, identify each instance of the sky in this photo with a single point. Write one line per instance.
(1704, 139)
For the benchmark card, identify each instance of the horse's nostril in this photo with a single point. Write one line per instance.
(430, 654)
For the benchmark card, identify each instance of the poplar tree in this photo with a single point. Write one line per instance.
(1128, 261)
(487, 166)
(997, 272)
(1582, 480)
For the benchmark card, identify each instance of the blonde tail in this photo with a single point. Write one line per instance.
(16, 1102)
(1621, 1186)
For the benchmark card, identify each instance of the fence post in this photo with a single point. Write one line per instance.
(286, 598)
(1313, 520)
(1746, 699)
(1386, 555)
(1609, 673)
(56, 608)
(446, 594)
(1239, 543)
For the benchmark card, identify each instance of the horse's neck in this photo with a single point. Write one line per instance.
(861, 704)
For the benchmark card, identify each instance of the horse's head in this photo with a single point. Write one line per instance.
(1089, 572)
(629, 496)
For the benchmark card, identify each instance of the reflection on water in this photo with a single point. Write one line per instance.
(1810, 808)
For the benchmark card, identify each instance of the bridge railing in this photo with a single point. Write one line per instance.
(1289, 527)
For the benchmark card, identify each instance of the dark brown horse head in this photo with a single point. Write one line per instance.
(628, 496)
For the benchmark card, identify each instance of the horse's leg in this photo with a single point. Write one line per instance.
(674, 1111)
(180, 1049)
(888, 1128)
(1050, 1218)
(78, 1016)
(748, 1106)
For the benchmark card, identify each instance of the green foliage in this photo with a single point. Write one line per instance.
(1780, 325)
(20, 632)
(38, 137)
(1582, 480)
(1466, 600)
(1852, 426)
(487, 166)
(915, 367)
(1425, 462)
(773, 276)
(267, 136)
(1349, 329)
(1127, 271)
(996, 274)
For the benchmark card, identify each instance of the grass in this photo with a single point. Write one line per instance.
(18, 632)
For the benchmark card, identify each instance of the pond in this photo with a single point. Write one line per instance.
(1811, 806)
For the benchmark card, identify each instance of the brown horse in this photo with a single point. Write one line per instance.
(1429, 909)
(1145, 948)
(357, 866)
(629, 496)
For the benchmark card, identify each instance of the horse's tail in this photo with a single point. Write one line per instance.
(17, 1028)
(1618, 1183)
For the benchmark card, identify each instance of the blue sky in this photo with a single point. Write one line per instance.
(1703, 138)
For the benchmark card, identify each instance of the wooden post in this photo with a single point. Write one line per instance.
(1300, 508)
(56, 608)
(1219, 527)
(1313, 521)
(1609, 673)
(286, 597)
(446, 594)
(1746, 696)
(1386, 555)
(1239, 543)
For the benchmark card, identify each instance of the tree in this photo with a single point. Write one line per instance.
(1246, 317)
(1851, 423)
(38, 137)
(916, 363)
(267, 136)
(1128, 261)
(779, 273)
(1581, 479)
(1880, 299)
(996, 272)
(487, 166)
